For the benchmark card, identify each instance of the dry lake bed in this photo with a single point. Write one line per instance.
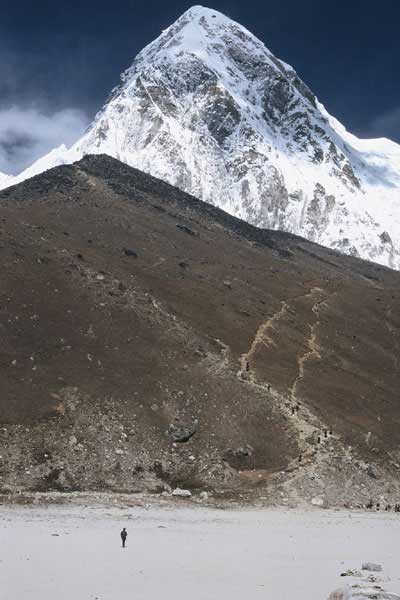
(74, 553)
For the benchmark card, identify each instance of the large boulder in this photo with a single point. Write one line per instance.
(369, 566)
(341, 594)
(362, 593)
(364, 584)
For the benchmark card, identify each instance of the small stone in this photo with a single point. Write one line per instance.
(351, 573)
(317, 501)
(182, 493)
(129, 252)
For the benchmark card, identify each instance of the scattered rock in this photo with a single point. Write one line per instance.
(365, 587)
(370, 472)
(351, 573)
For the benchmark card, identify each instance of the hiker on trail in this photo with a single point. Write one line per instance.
(124, 535)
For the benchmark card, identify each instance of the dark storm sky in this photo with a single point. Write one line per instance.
(59, 60)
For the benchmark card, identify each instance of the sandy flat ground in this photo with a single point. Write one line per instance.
(199, 553)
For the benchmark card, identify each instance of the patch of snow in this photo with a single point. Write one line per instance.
(54, 158)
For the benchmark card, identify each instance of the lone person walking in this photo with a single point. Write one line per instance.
(124, 535)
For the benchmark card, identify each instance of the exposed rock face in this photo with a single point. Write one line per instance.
(208, 108)
(218, 356)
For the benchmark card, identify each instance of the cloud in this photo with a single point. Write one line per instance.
(26, 134)
(387, 125)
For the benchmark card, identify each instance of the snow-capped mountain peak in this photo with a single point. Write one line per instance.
(208, 108)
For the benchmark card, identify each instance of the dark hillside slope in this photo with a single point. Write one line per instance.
(149, 339)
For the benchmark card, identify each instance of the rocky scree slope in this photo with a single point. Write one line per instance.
(208, 108)
(150, 340)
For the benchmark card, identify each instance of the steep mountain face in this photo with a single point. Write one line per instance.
(150, 340)
(208, 108)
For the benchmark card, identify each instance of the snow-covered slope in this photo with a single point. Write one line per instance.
(5, 180)
(54, 158)
(207, 107)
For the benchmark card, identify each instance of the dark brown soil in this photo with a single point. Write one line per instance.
(130, 310)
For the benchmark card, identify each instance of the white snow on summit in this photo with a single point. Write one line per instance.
(208, 108)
